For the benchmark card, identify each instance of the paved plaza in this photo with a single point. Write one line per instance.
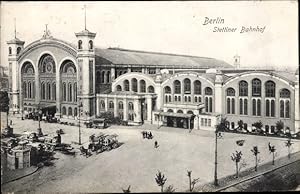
(136, 162)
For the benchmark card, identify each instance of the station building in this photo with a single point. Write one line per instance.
(146, 87)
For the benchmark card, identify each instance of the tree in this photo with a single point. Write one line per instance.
(240, 125)
(170, 189)
(236, 157)
(191, 183)
(258, 125)
(255, 153)
(160, 180)
(126, 190)
(222, 126)
(288, 144)
(272, 151)
(4, 104)
(279, 127)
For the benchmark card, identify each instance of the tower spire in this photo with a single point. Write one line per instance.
(85, 17)
(15, 29)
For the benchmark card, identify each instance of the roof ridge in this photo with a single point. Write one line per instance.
(160, 53)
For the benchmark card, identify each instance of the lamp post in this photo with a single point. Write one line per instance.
(39, 119)
(79, 131)
(217, 135)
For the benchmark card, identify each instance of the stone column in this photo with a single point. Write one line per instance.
(112, 74)
(106, 103)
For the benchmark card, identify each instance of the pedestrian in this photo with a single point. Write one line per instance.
(155, 144)
(150, 135)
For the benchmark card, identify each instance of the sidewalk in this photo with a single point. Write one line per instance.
(12, 175)
(248, 174)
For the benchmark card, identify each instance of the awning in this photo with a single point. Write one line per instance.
(172, 114)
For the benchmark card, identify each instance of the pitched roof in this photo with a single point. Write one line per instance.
(134, 57)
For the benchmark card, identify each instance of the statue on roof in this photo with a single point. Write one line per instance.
(47, 33)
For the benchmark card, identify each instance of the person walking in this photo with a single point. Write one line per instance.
(155, 144)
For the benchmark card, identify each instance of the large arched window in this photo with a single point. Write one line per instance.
(177, 87)
(285, 103)
(187, 86)
(150, 89)
(197, 87)
(130, 106)
(142, 86)
(287, 109)
(256, 87)
(102, 76)
(126, 85)
(230, 92)
(243, 88)
(180, 111)
(208, 91)
(167, 90)
(79, 44)
(270, 89)
(75, 92)
(91, 46)
(134, 85)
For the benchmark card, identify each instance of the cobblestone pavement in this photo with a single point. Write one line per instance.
(136, 162)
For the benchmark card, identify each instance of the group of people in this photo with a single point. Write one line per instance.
(149, 135)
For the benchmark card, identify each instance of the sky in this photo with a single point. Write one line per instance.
(170, 27)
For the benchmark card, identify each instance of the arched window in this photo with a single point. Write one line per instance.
(18, 50)
(53, 91)
(208, 91)
(98, 77)
(190, 112)
(70, 111)
(142, 86)
(179, 111)
(243, 88)
(170, 110)
(232, 106)
(177, 87)
(111, 105)
(9, 51)
(206, 104)
(64, 93)
(43, 91)
(230, 92)
(134, 85)
(130, 106)
(197, 87)
(91, 45)
(256, 87)
(48, 91)
(79, 44)
(29, 90)
(245, 107)
(108, 77)
(102, 104)
(70, 90)
(126, 85)
(267, 108)
(64, 110)
(121, 106)
(75, 111)
(167, 90)
(285, 93)
(75, 92)
(228, 105)
(270, 89)
(282, 108)
(119, 88)
(258, 107)
(272, 108)
(150, 89)
(103, 77)
(25, 89)
(254, 107)
(187, 86)
(287, 109)
(210, 104)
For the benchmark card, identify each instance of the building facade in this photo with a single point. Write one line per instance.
(146, 87)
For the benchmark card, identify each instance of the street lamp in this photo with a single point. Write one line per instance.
(79, 112)
(39, 117)
(217, 136)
